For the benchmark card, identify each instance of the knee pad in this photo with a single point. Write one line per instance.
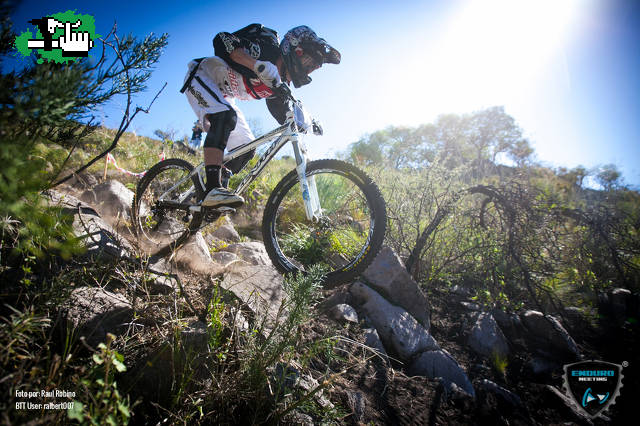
(221, 125)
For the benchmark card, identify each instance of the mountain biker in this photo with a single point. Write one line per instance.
(248, 64)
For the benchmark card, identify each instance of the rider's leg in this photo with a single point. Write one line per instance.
(220, 126)
(218, 116)
(241, 135)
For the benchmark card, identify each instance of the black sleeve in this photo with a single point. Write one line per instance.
(224, 43)
(260, 42)
(278, 108)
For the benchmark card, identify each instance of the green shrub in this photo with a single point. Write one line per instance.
(103, 402)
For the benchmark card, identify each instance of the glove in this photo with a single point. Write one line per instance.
(267, 73)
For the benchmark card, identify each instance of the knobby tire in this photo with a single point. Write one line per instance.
(345, 243)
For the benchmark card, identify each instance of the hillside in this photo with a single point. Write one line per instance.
(190, 341)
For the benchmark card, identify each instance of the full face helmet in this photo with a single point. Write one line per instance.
(303, 51)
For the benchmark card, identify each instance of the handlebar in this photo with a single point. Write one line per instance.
(283, 91)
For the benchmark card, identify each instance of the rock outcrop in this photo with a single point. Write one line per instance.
(252, 252)
(398, 330)
(259, 287)
(547, 335)
(396, 308)
(388, 276)
(439, 363)
(93, 312)
(112, 200)
(486, 338)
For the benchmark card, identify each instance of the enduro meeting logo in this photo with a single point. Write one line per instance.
(593, 385)
(61, 37)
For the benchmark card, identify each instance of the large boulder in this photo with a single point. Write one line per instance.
(195, 255)
(546, 334)
(511, 325)
(486, 338)
(576, 319)
(226, 232)
(398, 330)
(251, 252)
(439, 363)
(162, 277)
(100, 239)
(224, 257)
(82, 181)
(112, 200)
(186, 351)
(94, 312)
(259, 287)
(194, 338)
(388, 275)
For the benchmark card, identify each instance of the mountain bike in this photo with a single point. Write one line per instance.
(325, 212)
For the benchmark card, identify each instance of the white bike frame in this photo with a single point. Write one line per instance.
(289, 132)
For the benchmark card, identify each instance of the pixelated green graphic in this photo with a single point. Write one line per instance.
(56, 54)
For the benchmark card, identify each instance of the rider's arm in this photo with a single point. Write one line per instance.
(232, 49)
(239, 55)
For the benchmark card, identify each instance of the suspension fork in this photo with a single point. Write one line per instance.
(308, 186)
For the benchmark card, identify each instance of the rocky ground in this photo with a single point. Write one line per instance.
(410, 356)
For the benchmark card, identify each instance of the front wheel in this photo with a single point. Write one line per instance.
(347, 235)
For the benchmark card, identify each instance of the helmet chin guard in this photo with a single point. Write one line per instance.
(305, 38)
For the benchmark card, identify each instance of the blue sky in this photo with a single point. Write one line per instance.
(568, 71)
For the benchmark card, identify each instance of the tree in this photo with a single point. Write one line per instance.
(53, 104)
(609, 177)
(520, 152)
(367, 150)
(478, 138)
(575, 177)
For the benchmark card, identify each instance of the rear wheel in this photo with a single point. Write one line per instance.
(347, 236)
(161, 218)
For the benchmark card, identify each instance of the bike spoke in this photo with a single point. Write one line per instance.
(163, 206)
(331, 241)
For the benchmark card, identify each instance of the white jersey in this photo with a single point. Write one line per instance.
(213, 89)
(231, 83)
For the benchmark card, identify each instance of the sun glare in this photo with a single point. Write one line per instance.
(493, 51)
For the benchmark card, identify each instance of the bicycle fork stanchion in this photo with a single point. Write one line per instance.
(308, 186)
